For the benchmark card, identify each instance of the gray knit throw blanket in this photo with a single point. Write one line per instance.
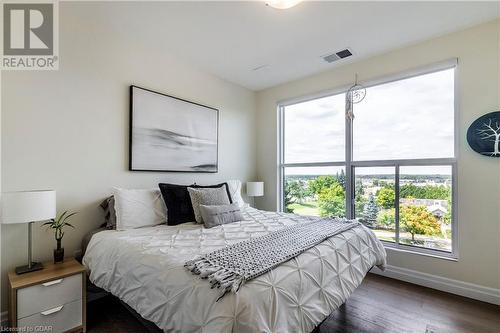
(228, 268)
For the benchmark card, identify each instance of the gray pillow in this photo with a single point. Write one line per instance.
(217, 215)
(207, 196)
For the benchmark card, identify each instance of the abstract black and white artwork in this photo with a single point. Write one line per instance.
(483, 134)
(171, 134)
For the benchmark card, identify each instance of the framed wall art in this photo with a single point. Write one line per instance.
(483, 134)
(171, 134)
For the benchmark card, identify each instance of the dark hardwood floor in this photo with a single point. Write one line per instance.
(379, 305)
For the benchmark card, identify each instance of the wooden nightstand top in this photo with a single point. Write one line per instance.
(49, 272)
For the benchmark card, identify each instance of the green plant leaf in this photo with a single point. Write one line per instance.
(62, 215)
(67, 217)
(59, 223)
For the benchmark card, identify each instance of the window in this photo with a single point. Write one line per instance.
(406, 119)
(393, 166)
(374, 196)
(323, 139)
(317, 191)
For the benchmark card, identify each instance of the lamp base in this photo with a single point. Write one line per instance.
(35, 266)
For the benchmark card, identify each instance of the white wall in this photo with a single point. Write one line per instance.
(68, 129)
(478, 51)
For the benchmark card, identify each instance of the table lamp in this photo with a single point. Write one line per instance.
(28, 207)
(255, 189)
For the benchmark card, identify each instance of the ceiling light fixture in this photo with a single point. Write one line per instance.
(282, 4)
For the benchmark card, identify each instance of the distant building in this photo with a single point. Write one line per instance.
(437, 210)
(425, 202)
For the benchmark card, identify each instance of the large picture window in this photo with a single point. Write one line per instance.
(392, 166)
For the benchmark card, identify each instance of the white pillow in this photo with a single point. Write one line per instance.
(235, 192)
(139, 208)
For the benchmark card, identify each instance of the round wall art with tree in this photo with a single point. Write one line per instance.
(483, 134)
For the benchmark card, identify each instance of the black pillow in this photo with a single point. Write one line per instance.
(178, 201)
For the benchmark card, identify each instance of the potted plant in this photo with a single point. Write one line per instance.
(58, 225)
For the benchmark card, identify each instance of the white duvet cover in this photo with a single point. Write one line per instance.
(144, 268)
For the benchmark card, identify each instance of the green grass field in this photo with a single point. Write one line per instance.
(306, 208)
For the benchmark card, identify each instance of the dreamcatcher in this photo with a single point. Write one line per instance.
(355, 94)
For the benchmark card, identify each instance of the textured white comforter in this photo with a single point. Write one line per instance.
(144, 268)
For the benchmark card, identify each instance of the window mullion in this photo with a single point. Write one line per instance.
(281, 173)
(396, 202)
(349, 197)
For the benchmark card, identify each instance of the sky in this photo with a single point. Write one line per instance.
(406, 119)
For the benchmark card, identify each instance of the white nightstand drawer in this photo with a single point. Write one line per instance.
(61, 318)
(48, 295)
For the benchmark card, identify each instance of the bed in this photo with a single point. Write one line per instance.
(145, 269)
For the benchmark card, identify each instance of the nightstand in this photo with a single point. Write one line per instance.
(52, 297)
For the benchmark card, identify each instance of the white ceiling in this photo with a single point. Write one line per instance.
(229, 39)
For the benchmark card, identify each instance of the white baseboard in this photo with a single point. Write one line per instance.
(471, 290)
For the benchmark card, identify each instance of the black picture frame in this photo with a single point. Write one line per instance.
(202, 168)
(483, 135)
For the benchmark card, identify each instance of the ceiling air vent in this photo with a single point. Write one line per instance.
(337, 55)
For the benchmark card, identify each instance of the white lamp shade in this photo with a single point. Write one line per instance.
(283, 4)
(28, 206)
(255, 189)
